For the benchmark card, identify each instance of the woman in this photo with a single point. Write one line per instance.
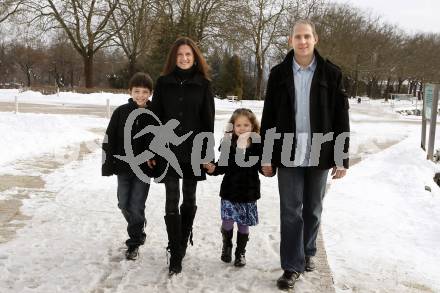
(183, 92)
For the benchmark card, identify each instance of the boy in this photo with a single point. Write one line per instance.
(132, 192)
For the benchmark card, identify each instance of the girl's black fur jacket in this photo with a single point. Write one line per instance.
(240, 184)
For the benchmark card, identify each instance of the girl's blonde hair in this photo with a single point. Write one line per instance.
(247, 113)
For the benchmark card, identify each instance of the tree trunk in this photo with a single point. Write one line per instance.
(28, 76)
(131, 66)
(419, 94)
(355, 88)
(387, 89)
(399, 85)
(259, 78)
(410, 87)
(368, 89)
(88, 71)
(378, 90)
(415, 88)
(375, 88)
(71, 79)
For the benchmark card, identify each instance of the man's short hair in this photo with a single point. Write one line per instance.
(141, 79)
(306, 22)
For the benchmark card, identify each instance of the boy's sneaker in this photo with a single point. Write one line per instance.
(132, 253)
(287, 280)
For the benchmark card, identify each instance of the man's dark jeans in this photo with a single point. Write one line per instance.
(132, 195)
(301, 193)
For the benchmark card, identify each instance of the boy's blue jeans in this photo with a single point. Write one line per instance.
(132, 195)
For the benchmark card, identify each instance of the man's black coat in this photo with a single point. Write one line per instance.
(328, 108)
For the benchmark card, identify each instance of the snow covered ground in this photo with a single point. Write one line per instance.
(380, 226)
(27, 135)
(69, 98)
(62, 98)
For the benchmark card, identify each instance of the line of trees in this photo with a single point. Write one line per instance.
(89, 43)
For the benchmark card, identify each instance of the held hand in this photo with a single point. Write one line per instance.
(267, 170)
(151, 164)
(209, 167)
(243, 139)
(338, 173)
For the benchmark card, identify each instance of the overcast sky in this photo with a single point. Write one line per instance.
(410, 15)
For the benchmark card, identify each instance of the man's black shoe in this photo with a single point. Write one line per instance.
(143, 237)
(287, 280)
(132, 252)
(310, 264)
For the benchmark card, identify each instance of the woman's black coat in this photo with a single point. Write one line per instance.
(114, 143)
(240, 184)
(191, 102)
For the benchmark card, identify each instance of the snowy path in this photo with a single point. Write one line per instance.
(78, 238)
(74, 238)
(23, 179)
(93, 110)
(380, 225)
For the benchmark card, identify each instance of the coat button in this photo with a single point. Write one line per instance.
(180, 114)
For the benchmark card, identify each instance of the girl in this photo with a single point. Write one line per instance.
(183, 93)
(240, 187)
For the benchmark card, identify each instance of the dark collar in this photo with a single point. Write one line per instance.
(133, 104)
(287, 66)
(184, 74)
(196, 78)
(288, 60)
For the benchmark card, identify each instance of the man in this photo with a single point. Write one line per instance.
(304, 97)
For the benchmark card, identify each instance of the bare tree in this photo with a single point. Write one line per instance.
(353, 40)
(422, 63)
(99, 34)
(197, 19)
(200, 20)
(134, 21)
(9, 7)
(6, 64)
(256, 26)
(64, 63)
(84, 22)
(27, 58)
(304, 9)
(295, 10)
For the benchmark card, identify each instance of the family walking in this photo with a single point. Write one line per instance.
(304, 97)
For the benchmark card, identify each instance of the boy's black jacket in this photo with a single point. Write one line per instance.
(115, 140)
(240, 184)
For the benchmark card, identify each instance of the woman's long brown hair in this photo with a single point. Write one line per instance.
(199, 60)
